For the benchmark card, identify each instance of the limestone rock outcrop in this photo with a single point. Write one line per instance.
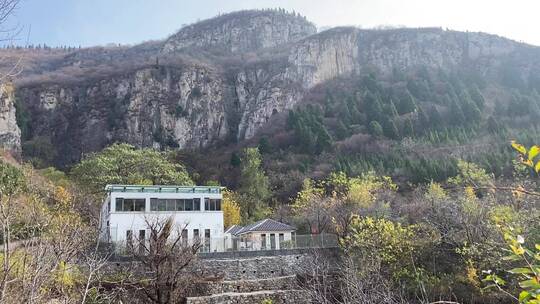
(10, 134)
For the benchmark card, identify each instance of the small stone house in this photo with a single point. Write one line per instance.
(266, 234)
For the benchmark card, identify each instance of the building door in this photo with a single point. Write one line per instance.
(272, 241)
(207, 240)
(142, 242)
(263, 241)
(184, 237)
(129, 241)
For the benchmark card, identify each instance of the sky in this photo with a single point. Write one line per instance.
(99, 22)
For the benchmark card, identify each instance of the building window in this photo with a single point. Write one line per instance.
(188, 205)
(211, 204)
(175, 204)
(263, 241)
(196, 234)
(130, 204)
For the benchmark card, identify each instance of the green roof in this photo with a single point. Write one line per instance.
(162, 189)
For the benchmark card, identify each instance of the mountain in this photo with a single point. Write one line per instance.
(229, 81)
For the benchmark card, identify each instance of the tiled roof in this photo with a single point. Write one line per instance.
(264, 225)
(234, 229)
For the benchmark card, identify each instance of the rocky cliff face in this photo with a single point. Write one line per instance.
(244, 31)
(193, 104)
(10, 134)
(151, 107)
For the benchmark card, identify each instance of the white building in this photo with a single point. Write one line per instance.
(128, 210)
(267, 234)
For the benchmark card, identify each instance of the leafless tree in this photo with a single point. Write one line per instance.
(348, 283)
(160, 270)
(8, 35)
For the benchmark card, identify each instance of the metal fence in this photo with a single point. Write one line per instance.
(238, 244)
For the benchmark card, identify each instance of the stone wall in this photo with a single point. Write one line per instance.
(260, 267)
(245, 286)
(276, 296)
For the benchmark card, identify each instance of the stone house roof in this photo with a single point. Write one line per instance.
(263, 225)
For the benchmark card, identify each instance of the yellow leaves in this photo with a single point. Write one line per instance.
(66, 276)
(435, 192)
(380, 237)
(528, 156)
(309, 195)
(470, 195)
(363, 190)
(520, 148)
(472, 274)
(231, 209)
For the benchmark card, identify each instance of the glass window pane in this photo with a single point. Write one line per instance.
(140, 205)
(119, 202)
(189, 204)
(153, 204)
(162, 205)
(206, 204)
(218, 205)
(129, 205)
(179, 205)
(197, 204)
(171, 205)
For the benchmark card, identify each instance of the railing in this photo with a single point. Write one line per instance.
(239, 244)
(162, 189)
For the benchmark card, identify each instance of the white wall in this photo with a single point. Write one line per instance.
(120, 222)
(253, 241)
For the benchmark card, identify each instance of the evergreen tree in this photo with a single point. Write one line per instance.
(493, 125)
(341, 131)
(375, 129)
(235, 160)
(407, 103)
(408, 128)
(264, 145)
(423, 119)
(390, 129)
(392, 109)
(254, 184)
(435, 118)
(477, 97)
(457, 117)
(374, 108)
(471, 112)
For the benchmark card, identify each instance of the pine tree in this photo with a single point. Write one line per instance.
(375, 129)
(392, 109)
(254, 184)
(390, 129)
(264, 145)
(407, 103)
(374, 108)
(423, 119)
(408, 128)
(235, 160)
(342, 131)
(435, 118)
(457, 117)
(477, 97)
